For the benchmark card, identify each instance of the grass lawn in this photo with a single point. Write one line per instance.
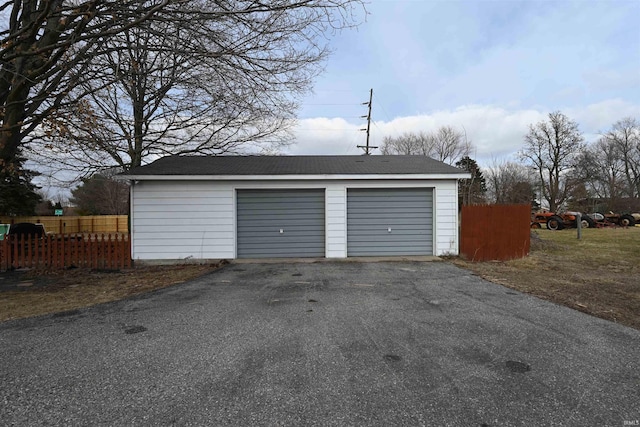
(599, 274)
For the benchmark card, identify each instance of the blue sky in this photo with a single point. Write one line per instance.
(492, 67)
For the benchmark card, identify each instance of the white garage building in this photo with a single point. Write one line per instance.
(229, 207)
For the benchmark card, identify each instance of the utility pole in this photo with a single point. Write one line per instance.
(367, 149)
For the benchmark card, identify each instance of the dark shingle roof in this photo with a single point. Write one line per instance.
(293, 165)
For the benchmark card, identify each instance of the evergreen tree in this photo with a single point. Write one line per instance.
(101, 195)
(18, 196)
(471, 191)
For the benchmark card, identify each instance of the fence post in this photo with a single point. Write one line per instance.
(29, 247)
(579, 225)
(3, 252)
(46, 251)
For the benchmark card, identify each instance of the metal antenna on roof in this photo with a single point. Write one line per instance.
(367, 148)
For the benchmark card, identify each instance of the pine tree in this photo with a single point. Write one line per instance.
(18, 195)
(471, 191)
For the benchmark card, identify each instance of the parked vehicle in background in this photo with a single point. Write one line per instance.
(559, 221)
(623, 220)
(27, 229)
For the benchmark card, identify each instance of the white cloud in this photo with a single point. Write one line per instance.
(600, 116)
(495, 132)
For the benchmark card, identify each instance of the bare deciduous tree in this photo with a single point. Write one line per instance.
(214, 73)
(510, 182)
(45, 49)
(407, 144)
(550, 149)
(624, 136)
(610, 167)
(447, 145)
(600, 169)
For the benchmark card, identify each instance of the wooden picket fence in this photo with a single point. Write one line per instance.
(495, 232)
(102, 251)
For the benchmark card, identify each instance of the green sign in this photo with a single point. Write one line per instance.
(4, 229)
(59, 212)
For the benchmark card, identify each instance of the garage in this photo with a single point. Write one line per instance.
(226, 207)
(389, 221)
(280, 223)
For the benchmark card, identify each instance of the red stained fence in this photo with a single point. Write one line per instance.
(109, 251)
(495, 232)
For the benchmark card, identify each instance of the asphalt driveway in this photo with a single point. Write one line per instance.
(330, 343)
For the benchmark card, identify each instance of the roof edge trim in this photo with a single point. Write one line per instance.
(291, 177)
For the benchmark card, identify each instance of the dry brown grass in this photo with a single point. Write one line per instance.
(599, 274)
(55, 291)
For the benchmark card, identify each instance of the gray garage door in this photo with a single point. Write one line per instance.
(280, 223)
(389, 221)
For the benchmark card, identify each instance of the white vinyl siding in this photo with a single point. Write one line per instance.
(446, 218)
(173, 220)
(336, 218)
(183, 220)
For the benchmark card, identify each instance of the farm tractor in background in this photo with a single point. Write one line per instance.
(624, 220)
(559, 221)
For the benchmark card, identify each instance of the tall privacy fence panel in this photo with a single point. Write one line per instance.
(103, 251)
(495, 232)
(75, 224)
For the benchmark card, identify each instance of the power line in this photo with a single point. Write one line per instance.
(386, 113)
(348, 104)
(384, 110)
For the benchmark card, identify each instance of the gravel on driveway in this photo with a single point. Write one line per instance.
(327, 343)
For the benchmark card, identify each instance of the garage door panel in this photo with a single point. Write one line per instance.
(312, 228)
(275, 236)
(408, 212)
(416, 216)
(269, 228)
(275, 215)
(292, 197)
(285, 252)
(261, 214)
(278, 221)
(395, 237)
(309, 206)
(265, 245)
(400, 251)
(385, 192)
(393, 211)
(414, 226)
(371, 203)
(399, 247)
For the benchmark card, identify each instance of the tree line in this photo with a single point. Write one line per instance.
(554, 167)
